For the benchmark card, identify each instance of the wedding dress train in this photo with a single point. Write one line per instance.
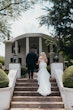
(43, 78)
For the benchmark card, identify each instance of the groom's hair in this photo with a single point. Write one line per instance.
(32, 49)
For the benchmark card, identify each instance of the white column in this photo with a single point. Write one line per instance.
(40, 45)
(27, 45)
(16, 50)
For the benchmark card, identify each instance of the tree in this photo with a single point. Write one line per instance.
(60, 16)
(10, 9)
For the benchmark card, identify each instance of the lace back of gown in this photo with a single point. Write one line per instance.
(43, 80)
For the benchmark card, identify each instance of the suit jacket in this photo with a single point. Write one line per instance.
(31, 59)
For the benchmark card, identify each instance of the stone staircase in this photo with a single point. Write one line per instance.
(25, 96)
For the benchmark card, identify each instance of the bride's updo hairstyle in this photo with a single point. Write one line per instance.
(43, 56)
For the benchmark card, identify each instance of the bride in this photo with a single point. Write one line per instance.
(43, 76)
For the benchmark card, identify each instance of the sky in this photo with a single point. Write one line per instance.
(27, 23)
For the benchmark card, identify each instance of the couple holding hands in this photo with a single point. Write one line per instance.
(43, 76)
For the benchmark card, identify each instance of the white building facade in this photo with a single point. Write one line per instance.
(17, 48)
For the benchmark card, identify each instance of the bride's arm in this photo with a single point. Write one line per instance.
(39, 59)
(46, 60)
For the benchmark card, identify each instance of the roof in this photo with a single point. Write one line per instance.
(28, 35)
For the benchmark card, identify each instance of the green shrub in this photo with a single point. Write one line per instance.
(0, 65)
(6, 71)
(68, 77)
(2, 60)
(48, 68)
(23, 70)
(4, 81)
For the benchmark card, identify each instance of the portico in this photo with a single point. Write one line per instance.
(20, 46)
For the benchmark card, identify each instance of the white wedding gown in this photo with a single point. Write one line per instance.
(43, 78)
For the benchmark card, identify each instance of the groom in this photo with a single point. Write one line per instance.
(31, 59)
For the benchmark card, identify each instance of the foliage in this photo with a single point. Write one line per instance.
(48, 68)
(23, 71)
(11, 9)
(71, 61)
(2, 60)
(50, 40)
(67, 47)
(68, 77)
(68, 61)
(54, 41)
(6, 71)
(60, 16)
(0, 65)
(4, 81)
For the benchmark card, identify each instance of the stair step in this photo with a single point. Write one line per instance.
(26, 97)
(32, 80)
(37, 98)
(37, 104)
(28, 88)
(34, 93)
(26, 80)
(32, 84)
(36, 109)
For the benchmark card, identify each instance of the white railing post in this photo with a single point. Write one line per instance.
(55, 66)
(15, 66)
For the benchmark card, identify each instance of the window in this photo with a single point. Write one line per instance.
(13, 48)
(19, 49)
(11, 60)
(20, 60)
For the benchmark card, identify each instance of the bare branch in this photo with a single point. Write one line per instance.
(16, 3)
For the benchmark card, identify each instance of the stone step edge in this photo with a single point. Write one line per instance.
(32, 87)
(21, 102)
(33, 92)
(35, 109)
(37, 97)
(24, 98)
(53, 79)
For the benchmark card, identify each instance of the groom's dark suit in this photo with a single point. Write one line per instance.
(31, 62)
